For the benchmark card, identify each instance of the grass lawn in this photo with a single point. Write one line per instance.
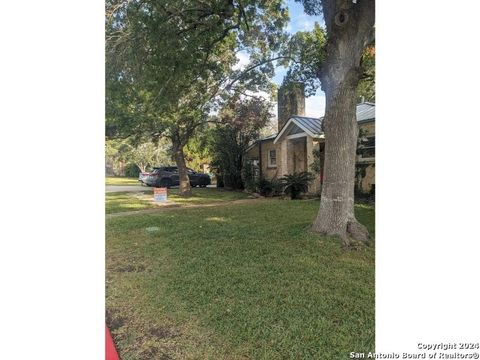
(244, 281)
(118, 180)
(130, 201)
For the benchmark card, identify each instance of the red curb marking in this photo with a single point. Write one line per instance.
(110, 351)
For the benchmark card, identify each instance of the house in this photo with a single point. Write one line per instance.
(292, 149)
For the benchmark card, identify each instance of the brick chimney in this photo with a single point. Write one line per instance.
(291, 101)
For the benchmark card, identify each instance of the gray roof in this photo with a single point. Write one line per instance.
(365, 111)
(268, 137)
(312, 124)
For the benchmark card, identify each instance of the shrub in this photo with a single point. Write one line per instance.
(248, 174)
(297, 183)
(264, 187)
(132, 170)
(277, 187)
(267, 187)
(250, 185)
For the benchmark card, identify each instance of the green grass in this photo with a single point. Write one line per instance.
(117, 180)
(130, 201)
(245, 281)
(127, 201)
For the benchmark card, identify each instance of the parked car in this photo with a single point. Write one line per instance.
(167, 176)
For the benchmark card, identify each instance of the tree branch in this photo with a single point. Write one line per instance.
(254, 67)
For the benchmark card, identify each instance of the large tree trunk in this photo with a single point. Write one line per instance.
(185, 189)
(336, 215)
(349, 30)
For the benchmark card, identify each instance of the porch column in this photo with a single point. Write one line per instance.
(314, 186)
(283, 158)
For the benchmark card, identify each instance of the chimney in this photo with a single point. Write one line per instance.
(291, 101)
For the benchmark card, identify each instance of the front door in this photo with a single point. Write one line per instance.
(299, 155)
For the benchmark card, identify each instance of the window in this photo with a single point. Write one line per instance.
(272, 158)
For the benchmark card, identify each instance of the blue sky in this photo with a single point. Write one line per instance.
(299, 21)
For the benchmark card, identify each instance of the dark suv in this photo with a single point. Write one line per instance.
(167, 176)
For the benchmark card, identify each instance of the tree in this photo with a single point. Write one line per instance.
(241, 120)
(148, 154)
(197, 151)
(366, 85)
(144, 154)
(162, 154)
(336, 61)
(169, 62)
(117, 154)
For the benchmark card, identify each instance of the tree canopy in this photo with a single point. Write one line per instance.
(240, 122)
(170, 64)
(305, 55)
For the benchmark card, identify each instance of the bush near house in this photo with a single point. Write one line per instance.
(297, 183)
(266, 187)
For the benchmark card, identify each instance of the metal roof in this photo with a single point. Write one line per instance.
(270, 137)
(313, 126)
(365, 111)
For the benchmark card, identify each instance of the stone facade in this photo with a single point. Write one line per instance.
(291, 101)
(284, 154)
(366, 158)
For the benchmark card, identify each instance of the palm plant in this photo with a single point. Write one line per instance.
(297, 183)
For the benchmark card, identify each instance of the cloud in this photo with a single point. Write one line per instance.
(304, 22)
(243, 60)
(315, 105)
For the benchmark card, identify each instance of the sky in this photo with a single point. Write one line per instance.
(299, 21)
